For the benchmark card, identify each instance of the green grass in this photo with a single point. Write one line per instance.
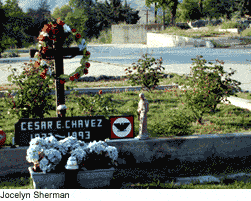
(227, 119)
(25, 182)
(217, 45)
(16, 182)
(231, 25)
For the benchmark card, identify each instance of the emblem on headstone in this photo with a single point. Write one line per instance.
(121, 127)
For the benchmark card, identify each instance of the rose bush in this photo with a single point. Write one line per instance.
(49, 155)
(146, 76)
(205, 90)
(34, 98)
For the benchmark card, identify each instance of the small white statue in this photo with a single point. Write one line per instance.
(143, 108)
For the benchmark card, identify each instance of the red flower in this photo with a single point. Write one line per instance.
(87, 64)
(87, 53)
(44, 49)
(42, 75)
(85, 71)
(55, 31)
(41, 38)
(37, 64)
(47, 28)
(100, 92)
(78, 36)
(60, 22)
(71, 78)
(76, 76)
(62, 81)
(73, 30)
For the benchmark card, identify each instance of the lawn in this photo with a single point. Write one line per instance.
(163, 104)
(23, 181)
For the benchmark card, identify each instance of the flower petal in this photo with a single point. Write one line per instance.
(66, 28)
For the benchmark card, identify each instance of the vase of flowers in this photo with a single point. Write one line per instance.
(53, 159)
(97, 166)
(96, 178)
(52, 180)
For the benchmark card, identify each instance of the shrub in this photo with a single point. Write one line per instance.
(246, 32)
(179, 125)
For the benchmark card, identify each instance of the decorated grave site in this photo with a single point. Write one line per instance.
(74, 152)
(71, 152)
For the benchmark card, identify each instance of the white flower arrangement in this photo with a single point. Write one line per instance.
(112, 152)
(44, 34)
(52, 151)
(51, 159)
(32, 153)
(97, 147)
(79, 153)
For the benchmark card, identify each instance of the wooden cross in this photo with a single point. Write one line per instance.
(59, 53)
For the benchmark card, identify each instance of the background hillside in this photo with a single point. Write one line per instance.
(135, 4)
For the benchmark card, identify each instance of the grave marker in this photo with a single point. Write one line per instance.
(86, 129)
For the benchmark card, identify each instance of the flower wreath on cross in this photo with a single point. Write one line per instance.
(55, 33)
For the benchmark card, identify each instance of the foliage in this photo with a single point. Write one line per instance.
(10, 54)
(164, 4)
(211, 9)
(177, 126)
(231, 25)
(84, 18)
(40, 16)
(190, 10)
(62, 12)
(146, 77)
(100, 16)
(13, 26)
(5, 41)
(30, 101)
(246, 32)
(209, 89)
(93, 106)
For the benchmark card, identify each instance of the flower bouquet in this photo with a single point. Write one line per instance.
(50, 155)
(99, 155)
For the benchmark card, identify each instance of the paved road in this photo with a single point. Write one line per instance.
(113, 59)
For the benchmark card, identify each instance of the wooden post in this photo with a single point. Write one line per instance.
(59, 66)
(146, 16)
(59, 53)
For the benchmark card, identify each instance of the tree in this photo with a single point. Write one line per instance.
(190, 10)
(164, 4)
(4, 39)
(128, 15)
(43, 5)
(62, 12)
(212, 9)
(103, 15)
(119, 13)
(44, 12)
(40, 17)
(16, 23)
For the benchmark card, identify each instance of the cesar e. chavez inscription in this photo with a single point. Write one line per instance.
(86, 129)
